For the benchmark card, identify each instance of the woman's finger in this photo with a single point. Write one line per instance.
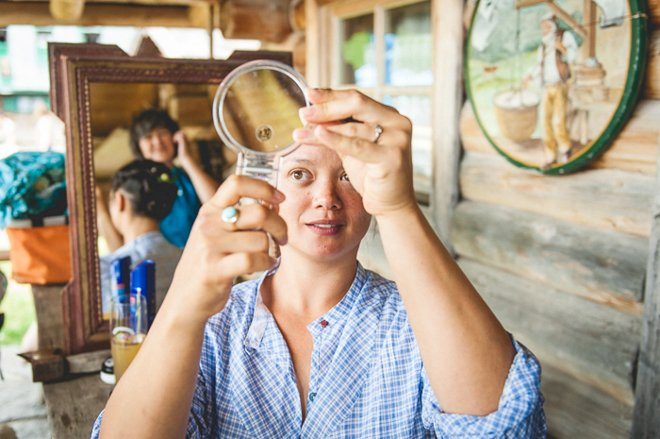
(237, 264)
(335, 105)
(244, 242)
(360, 130)
(241, 186)
(259, 217)
(357, 147)
(364, 131)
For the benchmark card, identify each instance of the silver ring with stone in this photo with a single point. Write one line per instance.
(378, 131)
(230, 215)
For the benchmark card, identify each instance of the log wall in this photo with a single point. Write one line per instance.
(562, 260)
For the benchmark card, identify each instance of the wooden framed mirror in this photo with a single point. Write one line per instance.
(97, 90)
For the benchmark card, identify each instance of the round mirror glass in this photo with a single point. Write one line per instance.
(256, 108)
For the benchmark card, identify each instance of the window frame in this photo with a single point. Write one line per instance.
(331, 17)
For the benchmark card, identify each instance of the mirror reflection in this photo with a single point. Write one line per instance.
(260, 110)
(156, 160)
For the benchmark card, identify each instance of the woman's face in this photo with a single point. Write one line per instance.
(158, 146)
(324, 214)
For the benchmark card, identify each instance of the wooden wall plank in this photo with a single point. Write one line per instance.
(647, 396)
(634, 150)
(606, 199)
(74, 405)
(447, 27)
(577, 410)
(603, 266)
(654, 11)
(48, 307)
(652, 83)
(593, 342)
(312, 43)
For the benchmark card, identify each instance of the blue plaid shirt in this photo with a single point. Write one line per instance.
(367, 378)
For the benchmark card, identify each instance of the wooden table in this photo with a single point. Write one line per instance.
(72, 405)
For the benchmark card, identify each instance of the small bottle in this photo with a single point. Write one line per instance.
(119, 285)
(143, 283)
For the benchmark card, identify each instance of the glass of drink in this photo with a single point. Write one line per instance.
(128, 326)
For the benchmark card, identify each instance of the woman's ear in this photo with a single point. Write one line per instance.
(120, 201)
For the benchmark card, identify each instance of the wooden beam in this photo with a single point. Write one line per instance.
(557, 10)
(447, 28)
(654, 10)
(647, 396)
(602, 266)
(605, 199)
(247, 19)
(313, 39)
(592, 342)
(132, 2)
(575, 409)
(97, 14)
(577, 27)
(67, 10)
(652, 80)
(525, 3)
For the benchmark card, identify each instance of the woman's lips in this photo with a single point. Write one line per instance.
(325, 229)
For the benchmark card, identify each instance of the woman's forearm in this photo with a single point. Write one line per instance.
(154, 396)
(466, 352)
(204, 184)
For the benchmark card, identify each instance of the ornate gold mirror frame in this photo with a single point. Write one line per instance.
(73, 69)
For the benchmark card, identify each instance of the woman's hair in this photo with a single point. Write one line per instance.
(149, 187)
(147, 121)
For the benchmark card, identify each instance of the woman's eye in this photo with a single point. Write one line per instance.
(299, 174)
(344, 177)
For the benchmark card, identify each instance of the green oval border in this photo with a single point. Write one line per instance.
(629, 97)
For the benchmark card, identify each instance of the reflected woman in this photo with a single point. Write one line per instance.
(156, 136)
(142, 195)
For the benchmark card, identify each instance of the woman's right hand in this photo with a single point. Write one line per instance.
(217, 252)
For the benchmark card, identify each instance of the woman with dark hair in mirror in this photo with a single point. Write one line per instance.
(142, 194)
(319, 346)
(156, 136)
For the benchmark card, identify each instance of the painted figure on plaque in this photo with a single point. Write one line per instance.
(555, 55)
(546, 79)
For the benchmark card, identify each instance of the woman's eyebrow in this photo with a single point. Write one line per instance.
(300, 162)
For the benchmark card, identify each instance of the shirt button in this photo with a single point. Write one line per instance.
(312, 395)
(324, 323)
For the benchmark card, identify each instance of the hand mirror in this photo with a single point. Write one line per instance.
(255, 112)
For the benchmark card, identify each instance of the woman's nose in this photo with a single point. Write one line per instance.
(326, 195)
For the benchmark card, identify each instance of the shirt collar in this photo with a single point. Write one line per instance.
(336, 314)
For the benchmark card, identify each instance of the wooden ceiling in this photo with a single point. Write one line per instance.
(268, 20)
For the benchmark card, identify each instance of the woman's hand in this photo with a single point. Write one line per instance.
(217, 252)
(182, 148)
(379, 169)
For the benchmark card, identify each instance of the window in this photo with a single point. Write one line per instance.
(385, 51)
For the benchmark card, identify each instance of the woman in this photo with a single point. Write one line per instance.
(320, 346)
(156, 136)
(142, 195)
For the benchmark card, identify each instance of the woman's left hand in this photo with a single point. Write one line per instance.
(182, 149)
(379, 167)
